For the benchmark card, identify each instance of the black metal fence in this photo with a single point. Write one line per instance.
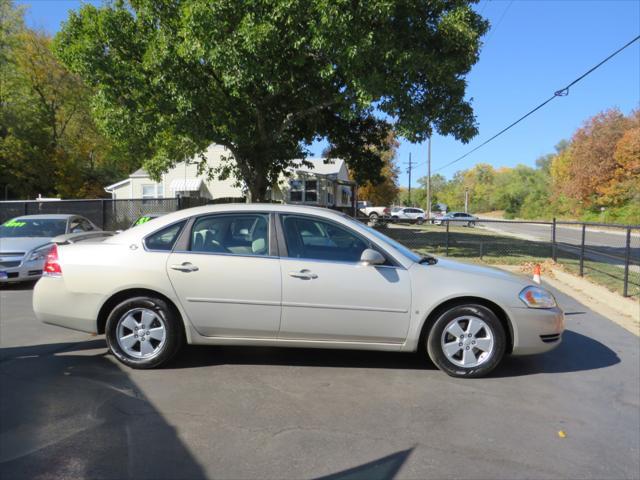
(605, 253)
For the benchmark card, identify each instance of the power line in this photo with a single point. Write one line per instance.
(493, 30)
(563, 92)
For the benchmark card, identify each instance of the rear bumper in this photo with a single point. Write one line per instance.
(536, 330)
(26, 271)
(55, 305)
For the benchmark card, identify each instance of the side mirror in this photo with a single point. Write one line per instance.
(372, 257)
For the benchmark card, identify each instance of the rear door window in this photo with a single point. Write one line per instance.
(164, 240)
(245, 234)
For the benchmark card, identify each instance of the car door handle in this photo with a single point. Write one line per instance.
(184, 267)
(303, 274)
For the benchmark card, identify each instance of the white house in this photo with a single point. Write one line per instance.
(322, 184)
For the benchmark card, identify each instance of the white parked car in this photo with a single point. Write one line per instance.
(291, 276)
(373, 213)
(408, 214)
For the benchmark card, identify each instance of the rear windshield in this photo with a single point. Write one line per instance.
(33, 227)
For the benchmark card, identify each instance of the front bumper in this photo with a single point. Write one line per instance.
(26, 271)
(536, 330)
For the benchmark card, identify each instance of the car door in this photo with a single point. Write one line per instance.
(328, 295)
(227, 276)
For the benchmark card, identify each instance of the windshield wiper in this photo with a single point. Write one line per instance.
(428, 259)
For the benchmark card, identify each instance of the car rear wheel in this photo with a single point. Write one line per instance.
(420, 221)
(467, 341)
(373, 217)
(143, 332)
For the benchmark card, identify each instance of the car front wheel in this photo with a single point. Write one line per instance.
(467, 341)
(143, 332)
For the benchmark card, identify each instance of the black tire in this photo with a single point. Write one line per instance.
(440, 359)
(420, 221)
(174, 334)
(373, 217)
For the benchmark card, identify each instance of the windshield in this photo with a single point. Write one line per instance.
(33, 227)
(397, 245)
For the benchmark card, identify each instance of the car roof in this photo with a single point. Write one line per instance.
(50, 216)
(168, 219)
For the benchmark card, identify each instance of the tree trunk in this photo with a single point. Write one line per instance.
(254, 177)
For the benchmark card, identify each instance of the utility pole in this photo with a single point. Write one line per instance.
(466, 200)
(429, 178)
(409, 168)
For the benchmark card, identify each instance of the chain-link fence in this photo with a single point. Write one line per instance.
(106, 213)
(606, 254)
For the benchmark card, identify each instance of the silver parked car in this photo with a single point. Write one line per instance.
(25, 242)
(459, 219)
(291, 276)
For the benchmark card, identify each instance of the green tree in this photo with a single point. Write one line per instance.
(265, 78)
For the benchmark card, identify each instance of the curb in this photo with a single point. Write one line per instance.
(622, 311)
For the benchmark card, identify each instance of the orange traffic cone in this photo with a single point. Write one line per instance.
(536, 273)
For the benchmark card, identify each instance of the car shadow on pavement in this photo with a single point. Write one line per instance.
(18, 286)
(199, 356)
(576, 353)
(68, 411)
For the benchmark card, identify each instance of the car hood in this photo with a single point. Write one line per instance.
(479, 270)
(22, 244)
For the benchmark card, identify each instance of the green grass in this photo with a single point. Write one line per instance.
(482, 246)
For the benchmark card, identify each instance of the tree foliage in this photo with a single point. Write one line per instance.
(49, 143)
(265, 78)
(599, 167)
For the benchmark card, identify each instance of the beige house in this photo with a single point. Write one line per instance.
(322, 184)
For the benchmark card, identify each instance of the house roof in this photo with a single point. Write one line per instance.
(319, 166)
(140, 173)
(112, 187)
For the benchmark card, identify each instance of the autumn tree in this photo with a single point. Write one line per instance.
(385, 190)
(49, 143)
(265, 78)
(589, 165)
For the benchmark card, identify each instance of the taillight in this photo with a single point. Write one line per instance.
(386, 211)
(51, 264)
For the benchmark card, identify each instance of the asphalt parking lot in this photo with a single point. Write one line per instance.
(69, 410)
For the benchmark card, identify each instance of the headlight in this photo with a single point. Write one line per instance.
(536, 297)
(39, 253)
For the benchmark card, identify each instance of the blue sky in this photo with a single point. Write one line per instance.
(533, 49)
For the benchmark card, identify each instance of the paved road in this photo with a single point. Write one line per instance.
(68, 410)
(601, 245)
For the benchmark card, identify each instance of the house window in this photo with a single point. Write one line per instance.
(311, 191)
(296, 190)
(346, 195)
(152, 190)
(303, 191)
